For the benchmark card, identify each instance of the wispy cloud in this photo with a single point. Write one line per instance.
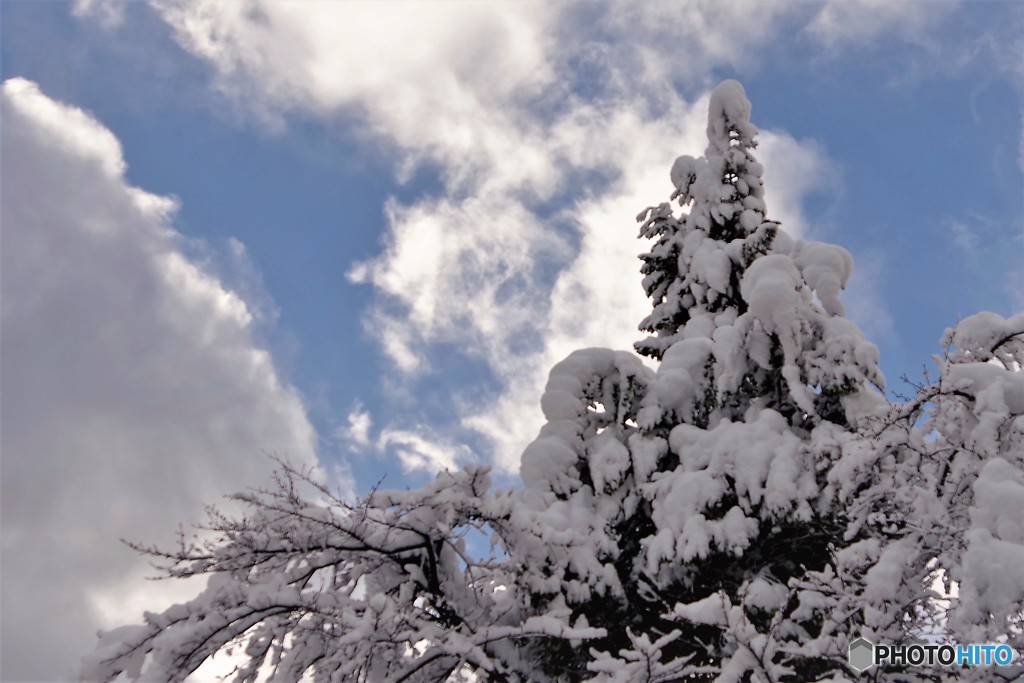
(357, 431)
(840, 23)
(865, 296)
(108, 13)
(964, 238)
(419, 450)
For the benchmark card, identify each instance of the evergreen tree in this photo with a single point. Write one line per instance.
(703, 487)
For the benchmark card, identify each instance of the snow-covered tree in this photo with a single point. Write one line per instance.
(681, 509)
(976, 417)
(955, 518)
(738, 510)
(381, 591)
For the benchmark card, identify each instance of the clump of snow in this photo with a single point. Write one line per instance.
(609, 462)
(729, 111)
(986, 336)
(684, 174)
(992, 583)
(826, 269)
(548, 463)
(680, 379)
(774, 290)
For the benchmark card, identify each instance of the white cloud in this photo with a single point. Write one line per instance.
(328, 58)
(357, 432)
(108, 13)
(793, 170)
(865, 297)
(964, 238)
(133, 392)
(843, 22)
(418, 450)
(664, 42)
(458, 271)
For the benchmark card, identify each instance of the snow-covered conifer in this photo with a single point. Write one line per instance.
(685, 277)
(701, 507)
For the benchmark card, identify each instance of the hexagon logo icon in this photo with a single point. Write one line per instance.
(862, 654)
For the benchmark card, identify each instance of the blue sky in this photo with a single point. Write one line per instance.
(382, 224)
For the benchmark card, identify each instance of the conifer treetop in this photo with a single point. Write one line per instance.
(719, 270)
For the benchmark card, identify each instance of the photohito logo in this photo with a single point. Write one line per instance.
(864, 654)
